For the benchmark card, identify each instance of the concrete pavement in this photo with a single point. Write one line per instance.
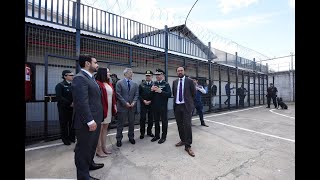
(244, 144)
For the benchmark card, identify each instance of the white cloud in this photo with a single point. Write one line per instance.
(227, 6)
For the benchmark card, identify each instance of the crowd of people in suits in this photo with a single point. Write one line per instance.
(89, 100)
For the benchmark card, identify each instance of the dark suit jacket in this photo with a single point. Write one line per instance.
(86, 100)
(189, 93)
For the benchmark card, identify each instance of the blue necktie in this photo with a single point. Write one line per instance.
(128, 85)
(180, 90)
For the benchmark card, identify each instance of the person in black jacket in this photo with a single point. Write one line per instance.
(272, 93)
(241, 92)
(213, 94)
(161, 91)
(145, 96)
(65, 107)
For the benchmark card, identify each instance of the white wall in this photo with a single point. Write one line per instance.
(285, 83)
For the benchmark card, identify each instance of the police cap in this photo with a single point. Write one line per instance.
(148, 73)
(159, 71)
(65, 72)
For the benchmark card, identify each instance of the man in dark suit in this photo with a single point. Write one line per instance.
(88, 115)
(127, 93)
(183, 91)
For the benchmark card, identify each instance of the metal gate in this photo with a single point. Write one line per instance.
(42, 119)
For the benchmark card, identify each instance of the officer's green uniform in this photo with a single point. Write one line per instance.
(160, 107)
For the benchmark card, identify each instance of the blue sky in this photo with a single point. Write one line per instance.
(265, 26)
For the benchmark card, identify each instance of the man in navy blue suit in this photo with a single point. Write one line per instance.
(88, 115)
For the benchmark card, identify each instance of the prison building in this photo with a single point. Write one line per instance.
(56, 32)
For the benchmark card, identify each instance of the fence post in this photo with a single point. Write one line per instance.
(78, 37)
(237, 103)
(166, 51)
(209, 70)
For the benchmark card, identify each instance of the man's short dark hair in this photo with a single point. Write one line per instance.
(83, 58)
(184, 68)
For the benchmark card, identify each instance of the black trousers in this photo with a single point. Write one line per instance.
(241, 101)
(66, 125)
(183, 118)
(274, 100)
(85, 149)
(161, 114)
(143, 115)
(199, 108)
(227, 101)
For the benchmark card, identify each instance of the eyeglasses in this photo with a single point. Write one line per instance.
(69, 75)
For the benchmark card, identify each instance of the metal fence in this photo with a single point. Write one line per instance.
(49, 51)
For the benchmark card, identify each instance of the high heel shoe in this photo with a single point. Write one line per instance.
(101, 155)
(106, 151)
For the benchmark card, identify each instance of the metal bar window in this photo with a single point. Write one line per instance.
(32, 8)
(91, 19)
(45, 9)
(105, 22)
(39, 10)
(63, 12)
(116, 25)
(109, 23)
(57, 12)
(120, 26)
(68, 13)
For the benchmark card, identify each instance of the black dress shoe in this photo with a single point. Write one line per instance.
(154, 139)
(72, 140)
(203, 124)
(93, 178)
(141, 136)
(95, 166)
(132, 141)
(150, 134)
(161, 141)
(268, 107)
(119, 143)
(66, 142)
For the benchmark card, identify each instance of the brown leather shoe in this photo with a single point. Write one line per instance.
(190, 152)
(180, 144)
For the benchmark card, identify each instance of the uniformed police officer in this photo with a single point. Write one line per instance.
(65, 107)
(145, 96)
(272, 93)
(161, 91)
(241, 92)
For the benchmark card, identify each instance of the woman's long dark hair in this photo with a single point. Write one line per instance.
(102, 75)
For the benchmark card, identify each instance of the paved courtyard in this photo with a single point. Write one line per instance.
(244, 144)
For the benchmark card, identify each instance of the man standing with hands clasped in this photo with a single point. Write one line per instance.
(127, 93)
(145, 96)
(184, 91)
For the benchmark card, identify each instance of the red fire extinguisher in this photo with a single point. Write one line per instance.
(27, 83)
